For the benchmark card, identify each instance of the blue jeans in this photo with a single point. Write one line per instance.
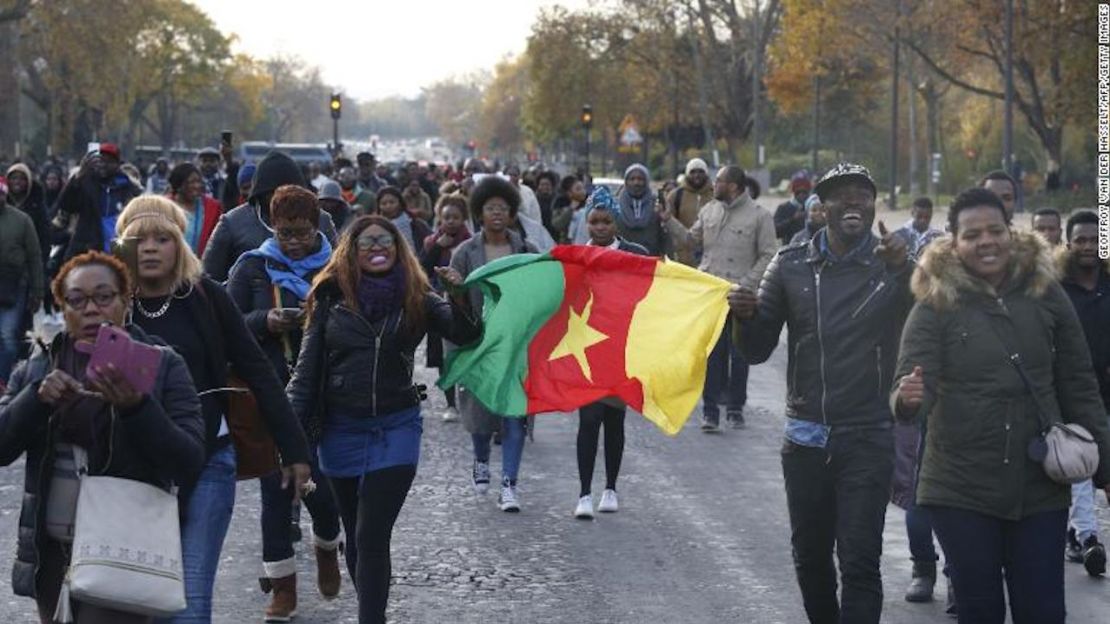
(512, 447)
(11, 321)
(1081, 517)
(277, 504)
(203, 529)
(919, 530)
(726, 377)
(985, 551)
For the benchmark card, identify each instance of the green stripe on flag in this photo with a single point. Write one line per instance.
(521, 292)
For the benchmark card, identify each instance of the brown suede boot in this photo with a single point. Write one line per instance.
(327, 569)
(283, 607)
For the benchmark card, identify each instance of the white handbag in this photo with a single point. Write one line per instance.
(126, 551)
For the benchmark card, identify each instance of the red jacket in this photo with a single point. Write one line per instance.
(212, 212)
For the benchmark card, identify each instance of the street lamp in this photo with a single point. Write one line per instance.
(587, 119)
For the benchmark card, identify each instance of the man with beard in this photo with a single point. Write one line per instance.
(1086, 279)
(790, 216)
(844, 297)
(686, 201)
(737, 239)
(95, 197)
(637, 217)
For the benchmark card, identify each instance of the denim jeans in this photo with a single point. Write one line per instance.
(203, 529)
(277, 508)
(837, 498)
(1081, 517)
(726, 377)
(919, 530)
(512, 447)
(11, 321)
(983, 551)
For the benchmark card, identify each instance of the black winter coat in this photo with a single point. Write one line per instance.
(250, 287)
(232, 348)
(83, 198)
(845, 321)
(35, 207)
(161, 442)
(350, 363)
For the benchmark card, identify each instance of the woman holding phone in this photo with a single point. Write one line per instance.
(52, 406)
(368, 310)
(269, 285)
(200, 321)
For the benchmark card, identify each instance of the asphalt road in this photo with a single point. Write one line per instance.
(702, 536)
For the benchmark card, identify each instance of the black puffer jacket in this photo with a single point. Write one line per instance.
(161, 441)
(350, 363)
(844, 319)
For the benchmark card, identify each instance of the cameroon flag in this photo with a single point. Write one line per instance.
(581, 323)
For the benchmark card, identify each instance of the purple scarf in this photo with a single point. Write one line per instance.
(379, 295)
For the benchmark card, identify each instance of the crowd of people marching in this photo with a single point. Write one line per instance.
(290, 300)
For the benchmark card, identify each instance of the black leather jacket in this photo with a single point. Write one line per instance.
(845, 321)
(365, 368)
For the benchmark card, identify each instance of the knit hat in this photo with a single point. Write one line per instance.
(800, 182)
(811, 200)
(696, 164)
(637, 167)
(601, 199)
(246, 173)
(841, 174)
(110, 149)
(331, 190)
(276, 169)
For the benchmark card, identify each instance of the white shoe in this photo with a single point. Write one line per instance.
(450, 414)
(480, 475)
(585, 508)
(508, 500)
(608, 502)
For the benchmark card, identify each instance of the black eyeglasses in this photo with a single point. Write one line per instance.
(294, 233)
(369, 241)
(78, 301)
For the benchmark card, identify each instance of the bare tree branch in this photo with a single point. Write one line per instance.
(945, 74)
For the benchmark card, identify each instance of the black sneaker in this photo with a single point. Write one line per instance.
(1073, 551)
(1094, 557)
(735, 419)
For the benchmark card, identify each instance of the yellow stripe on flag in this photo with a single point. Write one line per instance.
(673, 331)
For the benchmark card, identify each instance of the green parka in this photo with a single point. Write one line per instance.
(979, 416)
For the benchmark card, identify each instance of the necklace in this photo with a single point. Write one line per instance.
(157, 313)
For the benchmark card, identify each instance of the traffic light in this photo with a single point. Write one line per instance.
(587, 117)
(336, 106)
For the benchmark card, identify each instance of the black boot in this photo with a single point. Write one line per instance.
(924, 578)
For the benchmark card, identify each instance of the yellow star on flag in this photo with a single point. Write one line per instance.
(579, 337)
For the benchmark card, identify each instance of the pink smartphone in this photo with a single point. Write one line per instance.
(138, 362)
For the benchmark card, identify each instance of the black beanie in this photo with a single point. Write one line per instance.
(276, 169)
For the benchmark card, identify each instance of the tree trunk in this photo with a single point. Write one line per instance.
(9, 74)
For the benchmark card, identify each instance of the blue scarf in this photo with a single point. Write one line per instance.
(293, 277)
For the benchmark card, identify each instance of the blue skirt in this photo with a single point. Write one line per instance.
(352, 446)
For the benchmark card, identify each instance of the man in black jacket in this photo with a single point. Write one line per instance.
(1086, 279)
(95, 197)
(844, 296)
(248, 226)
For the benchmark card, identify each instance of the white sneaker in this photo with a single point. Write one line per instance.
(480, 475)
(508, 500)
(608, 502)
(585, 508)
(450, 414)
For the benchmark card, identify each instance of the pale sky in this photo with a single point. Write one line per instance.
(409, 44)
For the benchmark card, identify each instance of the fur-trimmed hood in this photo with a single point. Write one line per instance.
(941, 278)
(1061, 257)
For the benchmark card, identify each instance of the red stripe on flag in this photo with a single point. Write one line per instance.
(603, 288)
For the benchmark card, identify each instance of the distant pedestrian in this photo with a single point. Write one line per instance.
(790, 216)
(201, 211)
(1001, 184)
(94, 198)
(1049, 224)
(736, 238)
(331, 201)
(686, 202)
(637, 214)
(815, 220)
(391, 205)
(601, 219)
(21, 278)
(918, 231)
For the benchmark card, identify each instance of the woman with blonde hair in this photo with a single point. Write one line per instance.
(174, 301)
